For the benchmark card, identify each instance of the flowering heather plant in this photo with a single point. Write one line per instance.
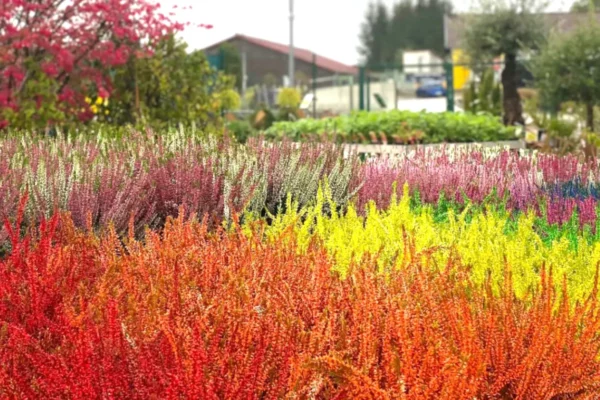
(193, 314)
(475, 175)
(485, 238)
(150, 177)
(297, 171)
(108, 179)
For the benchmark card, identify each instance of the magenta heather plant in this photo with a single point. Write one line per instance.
(559, 211)
(113, 193)
(473, 175)
(148, 177)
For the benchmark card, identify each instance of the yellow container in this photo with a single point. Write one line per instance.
(461, 72)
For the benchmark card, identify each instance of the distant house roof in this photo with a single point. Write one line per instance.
(456, 25)
(299, 54)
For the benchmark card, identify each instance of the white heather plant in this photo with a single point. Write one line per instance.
(109, 179)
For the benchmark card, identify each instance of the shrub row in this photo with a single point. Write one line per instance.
(396, 127)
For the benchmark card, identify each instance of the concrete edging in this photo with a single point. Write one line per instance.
(400, 149)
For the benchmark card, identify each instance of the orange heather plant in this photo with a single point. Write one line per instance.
(199, 314)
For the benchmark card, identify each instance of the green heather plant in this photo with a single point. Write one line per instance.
(485, 96)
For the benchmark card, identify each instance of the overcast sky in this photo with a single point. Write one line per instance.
(328, 27)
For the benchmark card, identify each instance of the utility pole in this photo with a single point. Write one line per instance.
(291, 66)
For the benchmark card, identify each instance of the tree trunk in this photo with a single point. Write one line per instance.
(589, 108)
(513, 110)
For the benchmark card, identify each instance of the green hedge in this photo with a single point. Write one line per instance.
(396, 127)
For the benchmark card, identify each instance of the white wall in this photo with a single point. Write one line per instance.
(343, 99)
(421, 57)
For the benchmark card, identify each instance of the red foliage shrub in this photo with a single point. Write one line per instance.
(195, 314)
(72, 45)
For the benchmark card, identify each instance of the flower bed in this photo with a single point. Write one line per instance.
(196, 268)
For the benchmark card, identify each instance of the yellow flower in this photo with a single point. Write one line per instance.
(482, 241)
(106, 102)
(94, 109)
(88, 100)
(106, 112)
(99, 101)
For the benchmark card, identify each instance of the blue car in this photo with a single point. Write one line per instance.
(431, 89)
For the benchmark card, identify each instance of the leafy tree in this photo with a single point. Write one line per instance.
(506, 29)
(402, 26)
(171, 86)
(409, 26)
(426, 25)
(54, 53)
(374, 36)
(568, 69)
(582, 6)
(229, 100)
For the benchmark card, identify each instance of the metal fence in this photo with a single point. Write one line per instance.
(384, 87)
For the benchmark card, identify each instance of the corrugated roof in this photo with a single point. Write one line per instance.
(299, 54)
(561, 22)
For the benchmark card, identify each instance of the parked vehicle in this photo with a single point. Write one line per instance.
(431, 89)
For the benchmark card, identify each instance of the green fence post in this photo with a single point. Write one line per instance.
(361, 88)
(449, 69)
(368, 93)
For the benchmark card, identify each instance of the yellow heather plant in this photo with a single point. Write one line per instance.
(481, 243)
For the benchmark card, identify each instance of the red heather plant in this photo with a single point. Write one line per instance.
(193, 314)
(201, 187)
(565, 168)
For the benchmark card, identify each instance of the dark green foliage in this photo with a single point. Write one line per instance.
(374, 36)
(568, 69)
(38, 103)
(419, 25)
(409, 26)
(170, 87)
(582, 6)
(433, 127)
(240, 130)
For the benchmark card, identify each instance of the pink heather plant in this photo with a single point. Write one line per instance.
(148, 177)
